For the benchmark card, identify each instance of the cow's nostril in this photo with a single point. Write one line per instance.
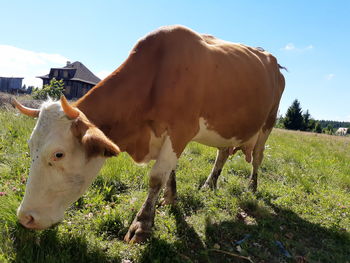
(27, 220)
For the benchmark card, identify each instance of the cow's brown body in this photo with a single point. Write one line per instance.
(172, 78)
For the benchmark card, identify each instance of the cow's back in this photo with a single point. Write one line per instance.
(233, 88)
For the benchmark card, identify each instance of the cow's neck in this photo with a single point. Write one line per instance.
(118, 106)
(122, 93)
(102, 104)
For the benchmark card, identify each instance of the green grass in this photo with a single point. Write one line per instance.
(302, 201)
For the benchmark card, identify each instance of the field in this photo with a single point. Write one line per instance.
(300, 213)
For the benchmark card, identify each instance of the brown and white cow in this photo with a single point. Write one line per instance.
(342, 131)
(176, 86)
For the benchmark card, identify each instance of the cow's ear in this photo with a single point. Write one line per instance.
(95, 142)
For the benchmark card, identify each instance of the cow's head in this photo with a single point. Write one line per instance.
(67, 151)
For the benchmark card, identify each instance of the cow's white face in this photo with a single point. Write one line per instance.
(66, 156)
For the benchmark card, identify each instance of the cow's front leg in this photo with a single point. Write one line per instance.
(141, 227)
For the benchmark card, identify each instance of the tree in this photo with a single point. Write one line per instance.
(279, 121)
(53, 90)
(30, 89)
(312, 124)
(318, 127)
(294, 119)
(306, 120)
(329, 129)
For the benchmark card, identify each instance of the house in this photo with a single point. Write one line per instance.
(10, 84)
(77, 79)
(342, 131)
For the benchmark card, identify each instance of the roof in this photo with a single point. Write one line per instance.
(11, 78)
(81, 73)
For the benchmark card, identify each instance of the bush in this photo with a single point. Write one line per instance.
(318, 128)
(53, 90)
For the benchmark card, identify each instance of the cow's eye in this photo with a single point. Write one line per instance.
(58, 156)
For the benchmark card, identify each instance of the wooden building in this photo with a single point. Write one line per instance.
(10, 84)
(77, 79)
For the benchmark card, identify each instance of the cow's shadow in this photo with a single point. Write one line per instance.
(188, 248)
(302, 239)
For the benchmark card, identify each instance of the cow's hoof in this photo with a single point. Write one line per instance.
(207, 186)
(137, 233)
(167, 201)
(253, 187)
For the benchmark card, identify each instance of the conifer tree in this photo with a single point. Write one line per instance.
(294, 119)
(306, 120)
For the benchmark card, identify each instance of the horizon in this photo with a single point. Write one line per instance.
(308, 38)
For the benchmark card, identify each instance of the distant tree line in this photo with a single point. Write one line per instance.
(335, 124)
(296, 119)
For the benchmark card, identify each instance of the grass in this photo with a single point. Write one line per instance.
(302, 201)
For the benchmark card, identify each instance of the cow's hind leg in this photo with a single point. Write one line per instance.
(141, 227)
(258, 155)
(170, 193)
(221, 158)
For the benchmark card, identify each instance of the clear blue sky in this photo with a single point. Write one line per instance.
(310, 38)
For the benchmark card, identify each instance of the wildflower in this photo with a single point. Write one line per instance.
(2, 193)
(89, 216)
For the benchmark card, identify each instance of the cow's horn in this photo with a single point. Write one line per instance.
(70, 111)
(25, 110)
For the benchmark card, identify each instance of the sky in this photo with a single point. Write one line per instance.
(310, 38)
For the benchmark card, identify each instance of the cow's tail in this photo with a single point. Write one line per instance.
(281, 67)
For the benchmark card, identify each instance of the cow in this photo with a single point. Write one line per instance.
(176, 86)
(341, 131)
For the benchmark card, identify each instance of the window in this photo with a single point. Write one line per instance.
(55, 73)
(65, 74)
